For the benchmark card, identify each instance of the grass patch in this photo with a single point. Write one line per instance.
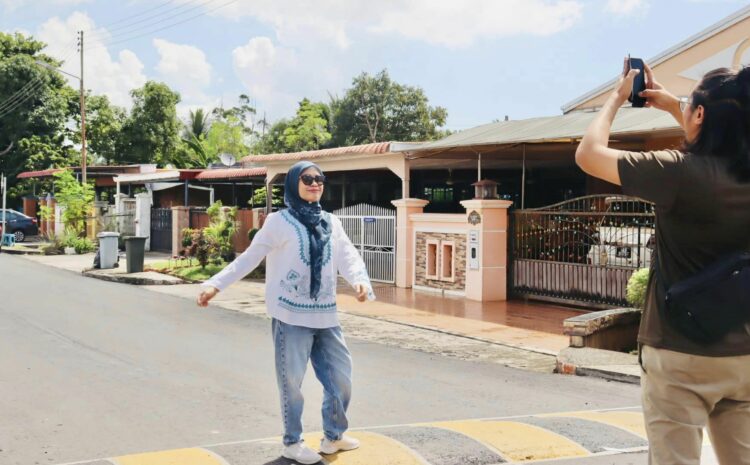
(195, 272)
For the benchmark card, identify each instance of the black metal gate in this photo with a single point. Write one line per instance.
(161, 229)
(581, 251)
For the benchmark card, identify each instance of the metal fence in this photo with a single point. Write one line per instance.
(161, 229)
(372, 230)
(582, 251)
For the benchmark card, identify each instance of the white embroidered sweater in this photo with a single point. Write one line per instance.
(284, 242)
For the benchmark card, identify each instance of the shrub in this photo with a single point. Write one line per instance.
(202, 248)
(54, 245)
(187, 237)
(83, 245)
(221, 229)
(636, 289)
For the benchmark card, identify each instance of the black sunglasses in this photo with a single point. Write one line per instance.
(307, 179)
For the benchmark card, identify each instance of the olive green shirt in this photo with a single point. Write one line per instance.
(702, 214)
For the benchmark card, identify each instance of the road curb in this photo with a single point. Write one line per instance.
(21, 252)
(130, 279)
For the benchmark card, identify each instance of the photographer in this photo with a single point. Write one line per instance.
(691, 378)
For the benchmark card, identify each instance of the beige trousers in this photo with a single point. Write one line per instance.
(683, 393)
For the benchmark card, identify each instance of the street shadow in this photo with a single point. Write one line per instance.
(283, 461)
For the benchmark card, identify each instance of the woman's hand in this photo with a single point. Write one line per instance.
(657, 96)
(624, 86)
(361, 290)
(206, 296)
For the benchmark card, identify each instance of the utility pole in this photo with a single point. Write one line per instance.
(4, 184)
(83, 115)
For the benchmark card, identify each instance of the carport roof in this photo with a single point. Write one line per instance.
(376, 148)
(231, 173)
(562, 128)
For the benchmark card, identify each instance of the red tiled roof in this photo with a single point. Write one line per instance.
(376, 148)
(231, 173)
(38, 174)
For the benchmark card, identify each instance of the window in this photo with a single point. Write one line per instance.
(438, 194)
(447, 261)
(431, 270)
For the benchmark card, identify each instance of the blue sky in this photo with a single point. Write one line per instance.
(481, 59)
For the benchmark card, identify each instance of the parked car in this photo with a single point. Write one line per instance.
(19, 224)
(629, 246)
(626, 238)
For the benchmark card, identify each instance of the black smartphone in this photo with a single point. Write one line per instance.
(639, 84)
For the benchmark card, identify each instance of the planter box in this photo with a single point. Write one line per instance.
(615, 329)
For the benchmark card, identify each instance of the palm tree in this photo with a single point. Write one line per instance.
(194, 136)
(198, 124)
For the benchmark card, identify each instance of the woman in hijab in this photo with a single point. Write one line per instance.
(305, 250)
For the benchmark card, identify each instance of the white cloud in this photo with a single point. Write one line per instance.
(186, 69)
(311, 54)
(627, 7)
(279, 77)
(457, 24)
(266, 71)
(442, 22)
(114, 77)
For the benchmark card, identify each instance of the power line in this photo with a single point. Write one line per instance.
(127, 39)
(35, 80)
(22, 94)
(138, 14)
(26, 92)
(151, 21)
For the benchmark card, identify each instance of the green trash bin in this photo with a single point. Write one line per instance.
(135, 250)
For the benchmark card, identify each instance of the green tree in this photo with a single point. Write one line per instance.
(197, 125)
(151, 132)
(76, 198)
(226, 136)
(308, 130)
(35, 105)
(273, 140)
(243, 112)
(193, 152)
(104, 123)
(378, 109)
(259, 197)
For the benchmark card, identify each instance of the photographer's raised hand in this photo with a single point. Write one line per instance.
(660, 98)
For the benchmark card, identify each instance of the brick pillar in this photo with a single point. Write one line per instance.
(488, 222)
(180, 221)
(405, 239)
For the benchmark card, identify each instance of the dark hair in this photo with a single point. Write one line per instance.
(725, 132)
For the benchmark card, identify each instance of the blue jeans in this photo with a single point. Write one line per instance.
(332, 362)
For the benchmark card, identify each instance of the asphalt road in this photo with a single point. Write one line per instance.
(91, 369)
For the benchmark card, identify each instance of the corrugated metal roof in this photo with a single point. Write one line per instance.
(38, 174)
(553, 128)
(231, 173)
(376, 148)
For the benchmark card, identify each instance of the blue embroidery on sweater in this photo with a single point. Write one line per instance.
(303, 238)
(306, 308)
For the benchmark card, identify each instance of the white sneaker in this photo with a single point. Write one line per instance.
(331, 447)
(300, 453)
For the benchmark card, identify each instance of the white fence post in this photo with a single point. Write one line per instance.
(59, 225)
(143, 218)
